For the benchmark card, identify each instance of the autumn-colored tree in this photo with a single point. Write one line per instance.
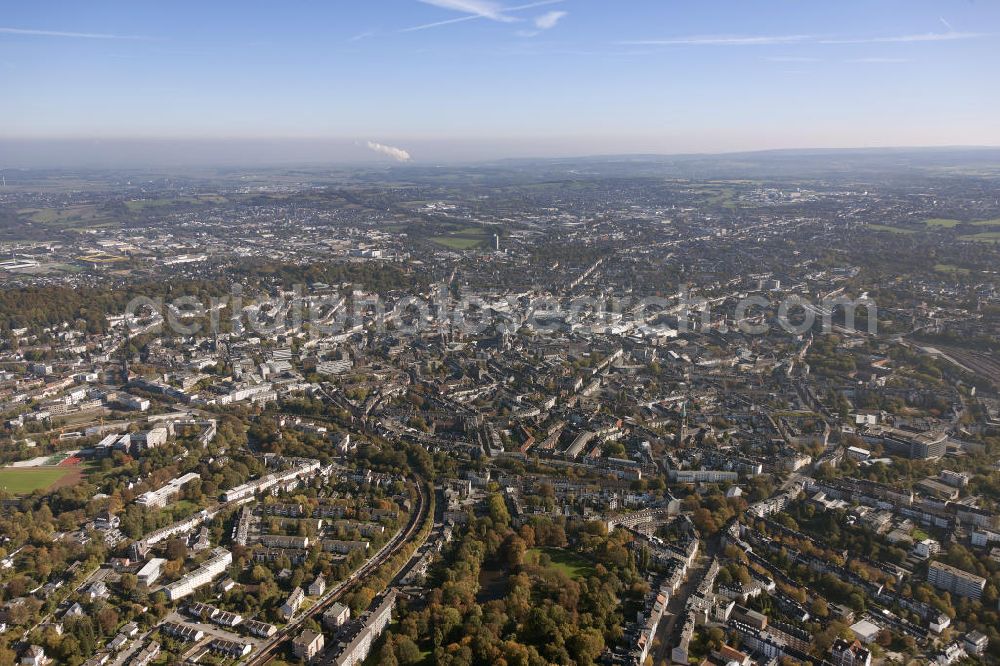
(107, 618)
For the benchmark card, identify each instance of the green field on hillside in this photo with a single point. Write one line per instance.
(942, 222)
(895, 230)
(984, 237)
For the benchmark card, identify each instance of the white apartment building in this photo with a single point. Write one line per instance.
(203, 575)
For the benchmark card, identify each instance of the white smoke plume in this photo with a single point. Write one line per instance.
(395, 153)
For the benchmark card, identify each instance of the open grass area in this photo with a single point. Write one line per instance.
(65, 268)
(717, 196)
(459, 242)
(894, 230)
(942, 223)
(569, 563)
(184, 507)
(22, 481)
(951, 268)
(984, 237)
(81, 216)
(137, 205)
(945, 223)
(140, 204)
(99, 258)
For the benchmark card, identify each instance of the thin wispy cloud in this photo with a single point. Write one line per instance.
(791, 59)
(425, 26)
(777, 40)
(950, 36)
(548, 20)
(475, 10)
(488, 9)
(876, 60)
(395, 153)
(61, 33)
(807, 59)
(721, 40)
(362, 35)
(946, 24)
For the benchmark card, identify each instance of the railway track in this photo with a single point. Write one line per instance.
(288, 632)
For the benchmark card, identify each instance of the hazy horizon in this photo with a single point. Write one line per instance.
(470, 80)
(284, 152)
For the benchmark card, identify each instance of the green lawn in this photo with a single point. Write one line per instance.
(718, 196)
(951, 268)
(184, 507)
(137, 205)
(21, 481)
(569, 563)
(984, 237)
(945, 223)
(458, 242)
(942, 222)
(81, 216)
(895, 230)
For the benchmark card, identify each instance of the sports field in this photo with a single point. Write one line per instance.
(25, 480)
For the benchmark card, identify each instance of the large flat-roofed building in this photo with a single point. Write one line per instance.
(907, 443)
(158, 498)
(149, 439)
(956, 581)
(935, 488)
(865, 631)
(150, 571)
(578, 444)
(976, 643)
(957, 479)
(284, 541)
(288, 478)
(203, 575)
(357, 650)
(702, 476)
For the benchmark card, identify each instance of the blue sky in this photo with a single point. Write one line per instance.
(473, 79)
